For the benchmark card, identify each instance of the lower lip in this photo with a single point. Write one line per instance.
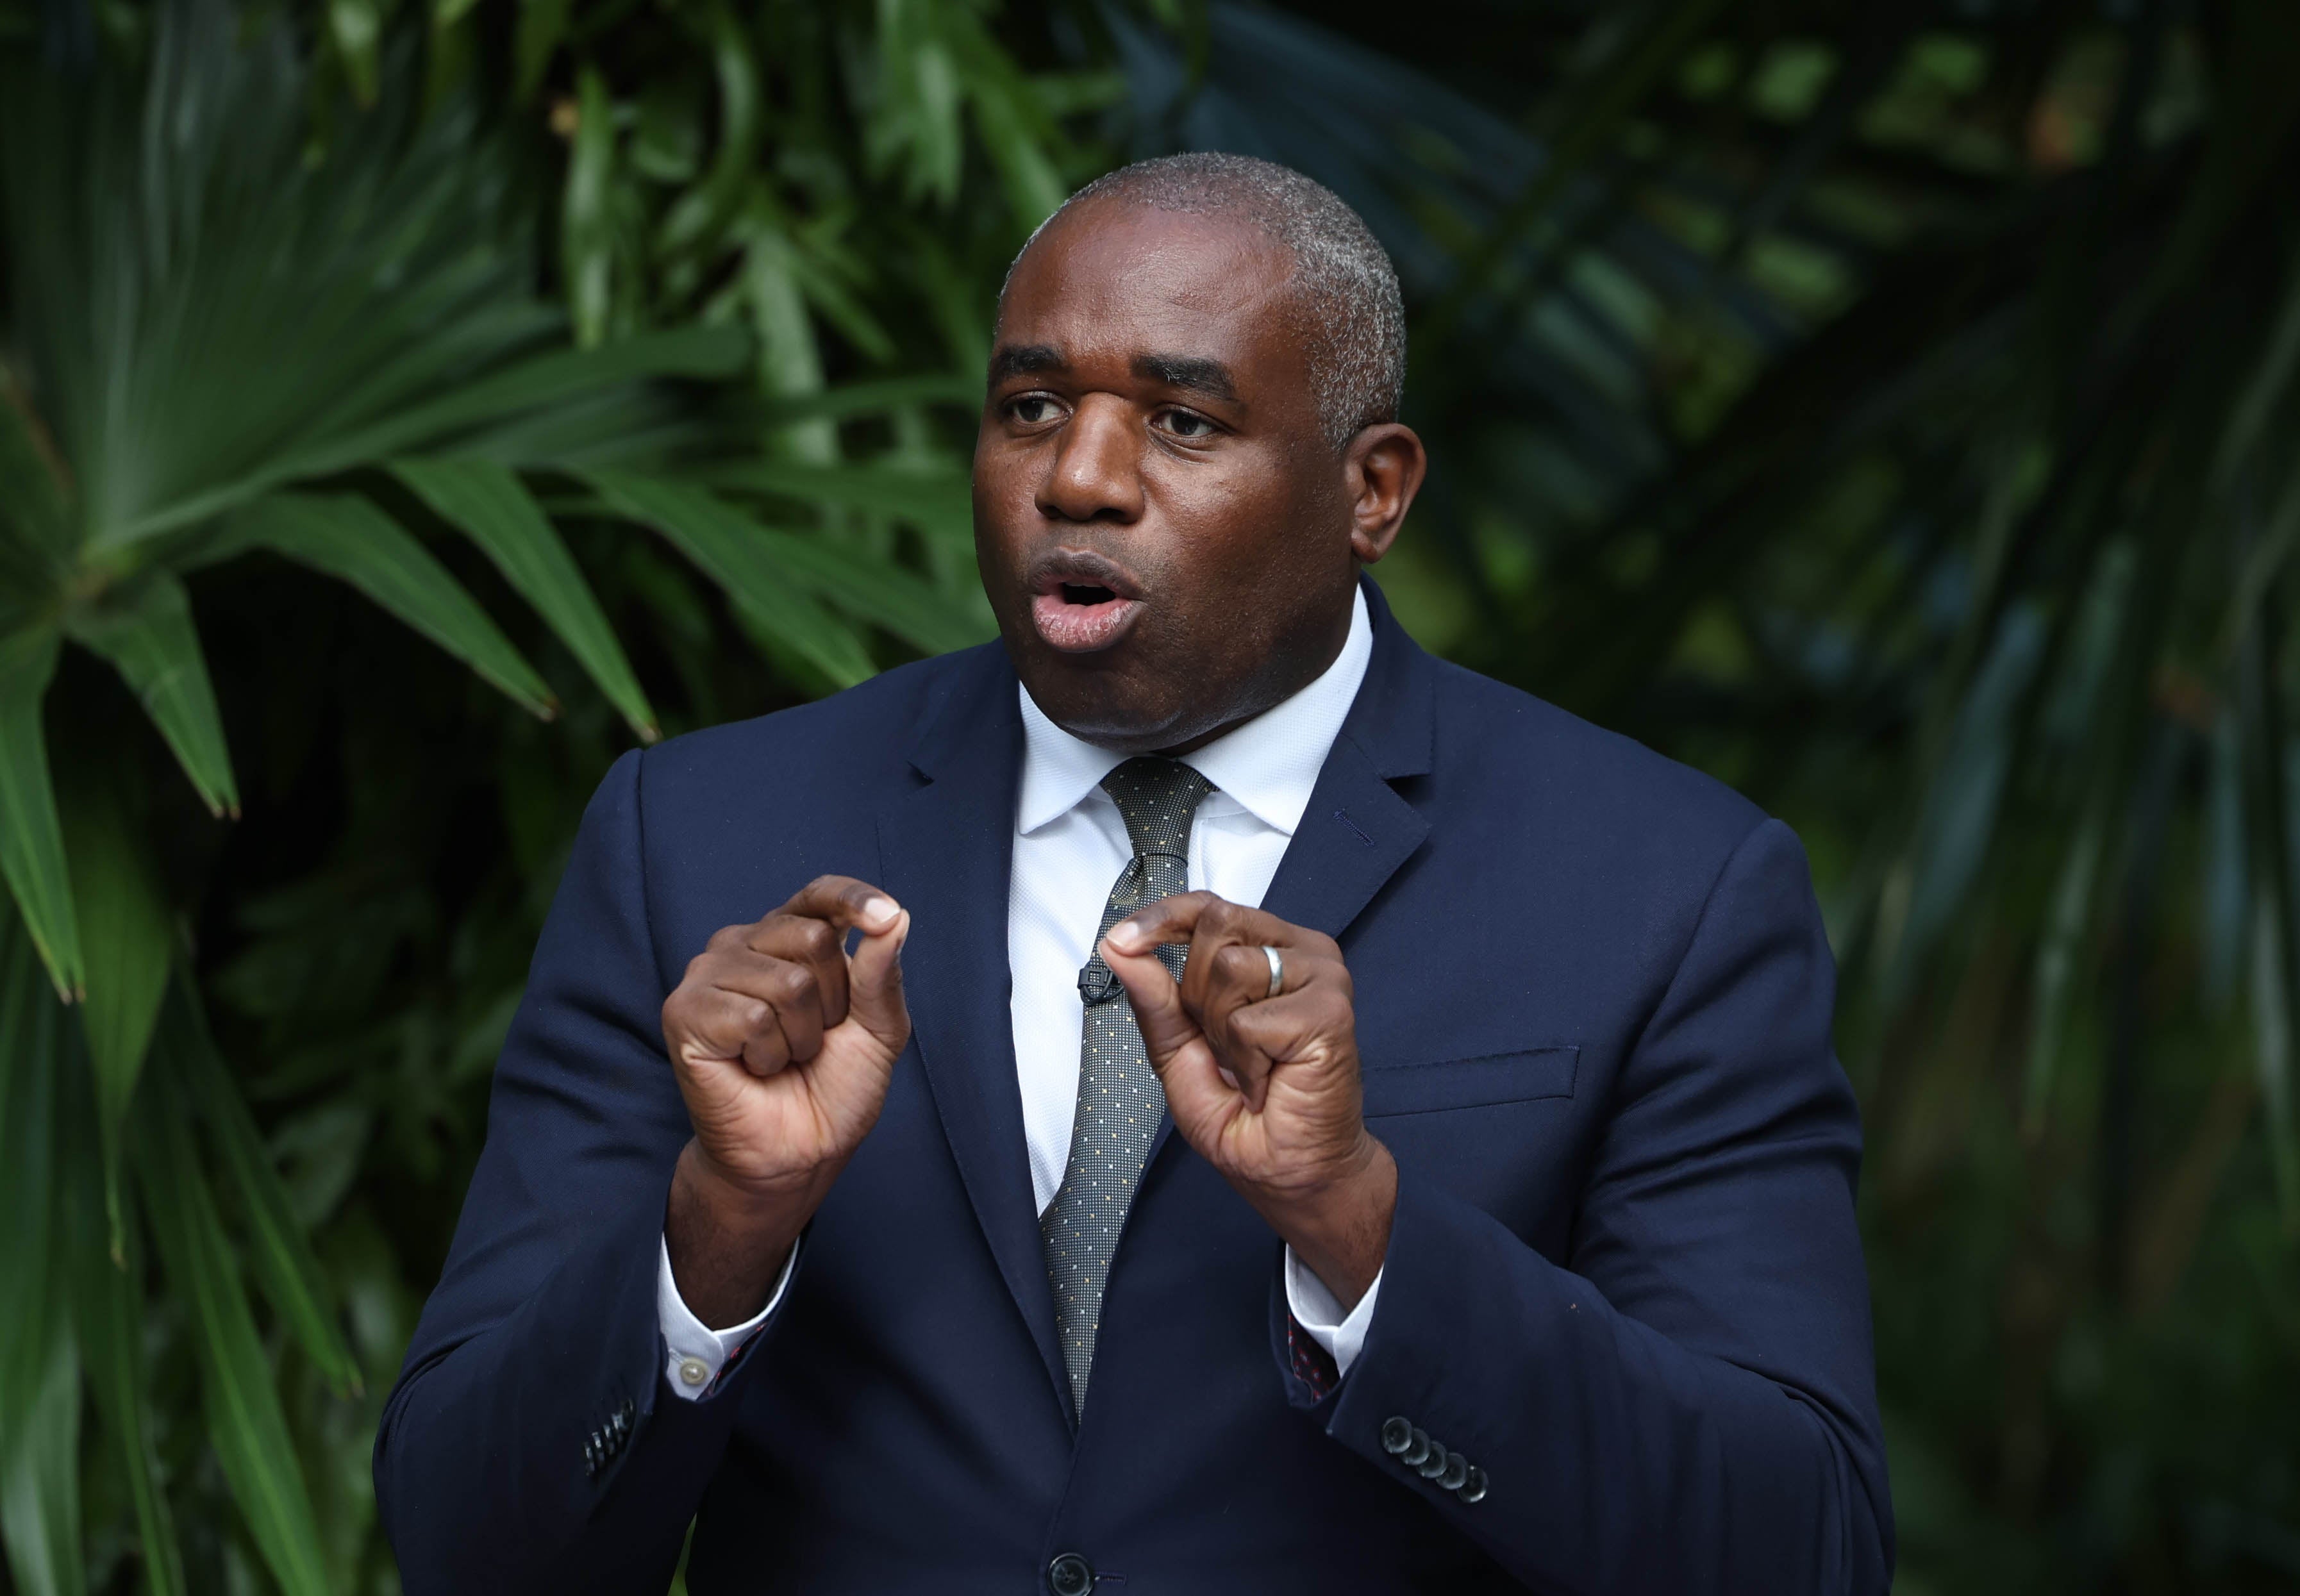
(1082, 628)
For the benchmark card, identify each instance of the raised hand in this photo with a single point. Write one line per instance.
(783, 1044)
(1264, 1087)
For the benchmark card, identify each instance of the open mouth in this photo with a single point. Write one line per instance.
(1081, 602)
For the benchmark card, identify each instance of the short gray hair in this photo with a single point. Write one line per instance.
(1353, 311)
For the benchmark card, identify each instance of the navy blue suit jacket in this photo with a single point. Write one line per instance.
(1593, 1005)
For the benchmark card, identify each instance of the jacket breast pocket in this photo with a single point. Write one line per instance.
(1474, 1082)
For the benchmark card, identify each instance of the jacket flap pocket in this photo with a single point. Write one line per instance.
(1471, 1083)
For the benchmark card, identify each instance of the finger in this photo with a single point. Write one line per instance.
(1231, 979)
(876, 982)
(1210, 923)
(1166, 1025)
(849, 904)
(842, 904)
(1202, 1102)
(714, 1023)
(814, 945)
(1230, 962)
(1168, 920)
(767, 1052)
(790, 990)
(1290, 1029)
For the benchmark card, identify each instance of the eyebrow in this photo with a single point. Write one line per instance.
(1022, 359)
(1189, 372)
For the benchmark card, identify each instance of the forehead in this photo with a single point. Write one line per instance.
(1118, 279)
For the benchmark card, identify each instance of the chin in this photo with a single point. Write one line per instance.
(1108, 707)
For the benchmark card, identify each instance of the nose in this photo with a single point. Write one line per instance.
(1096, 474)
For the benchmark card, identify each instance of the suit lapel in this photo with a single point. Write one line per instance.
(949, 850)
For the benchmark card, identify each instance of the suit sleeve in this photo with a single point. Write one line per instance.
(1686, 1404)
(532, 1442)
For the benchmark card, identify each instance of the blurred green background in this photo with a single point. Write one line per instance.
(1889, 407)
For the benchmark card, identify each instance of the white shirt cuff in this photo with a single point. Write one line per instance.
(1317, 1311)
(698, 1351)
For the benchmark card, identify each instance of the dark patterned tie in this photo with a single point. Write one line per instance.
(1119, 1100)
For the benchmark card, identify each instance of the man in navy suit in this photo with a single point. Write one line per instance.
(1226, 1102)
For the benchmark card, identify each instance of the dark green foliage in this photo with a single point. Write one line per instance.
(1888, 407)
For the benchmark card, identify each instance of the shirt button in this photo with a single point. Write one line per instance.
(693, 1371)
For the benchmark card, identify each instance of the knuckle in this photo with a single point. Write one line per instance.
(799, 983)
(815, 938)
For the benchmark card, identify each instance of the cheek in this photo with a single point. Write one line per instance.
(1003, 503)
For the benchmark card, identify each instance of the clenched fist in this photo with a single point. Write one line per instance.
(1265, 1088)
(783, 1044)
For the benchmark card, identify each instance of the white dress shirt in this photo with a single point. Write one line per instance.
(1069, 845)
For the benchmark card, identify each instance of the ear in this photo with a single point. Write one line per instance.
(1381, 470)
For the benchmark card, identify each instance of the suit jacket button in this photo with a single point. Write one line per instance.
(1434, 1465)
(1473, 1484)
(1396, 1434)
(1457, 1469)
(1418, 1453)
(1070, 1575)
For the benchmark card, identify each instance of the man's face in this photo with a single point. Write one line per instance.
(1163, 531)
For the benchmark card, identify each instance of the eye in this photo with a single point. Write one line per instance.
(1185, 424)
(1034, 410)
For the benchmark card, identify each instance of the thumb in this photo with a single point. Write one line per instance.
(874, 984)
(1157, 997)
(1196, 1094)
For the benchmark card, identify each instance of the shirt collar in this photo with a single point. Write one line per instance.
(1269, 765)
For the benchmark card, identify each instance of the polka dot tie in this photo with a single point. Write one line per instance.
(1119, 1100)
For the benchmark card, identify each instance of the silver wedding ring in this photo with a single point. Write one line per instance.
(1276, 970)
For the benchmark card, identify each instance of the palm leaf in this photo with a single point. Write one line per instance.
(738, 554)
(31, 838)
(147, 633)
(39, 1476)
(869, 589)
(36, 531)
(350, 539)
(237, 1387)
(488, 504)
(285, 1265)
(124, 920)
(39, 1383)
(109, 1305)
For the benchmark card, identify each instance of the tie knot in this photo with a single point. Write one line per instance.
(1157, 799)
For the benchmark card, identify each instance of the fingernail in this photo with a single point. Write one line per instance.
(880, 913)
(1125, 934)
